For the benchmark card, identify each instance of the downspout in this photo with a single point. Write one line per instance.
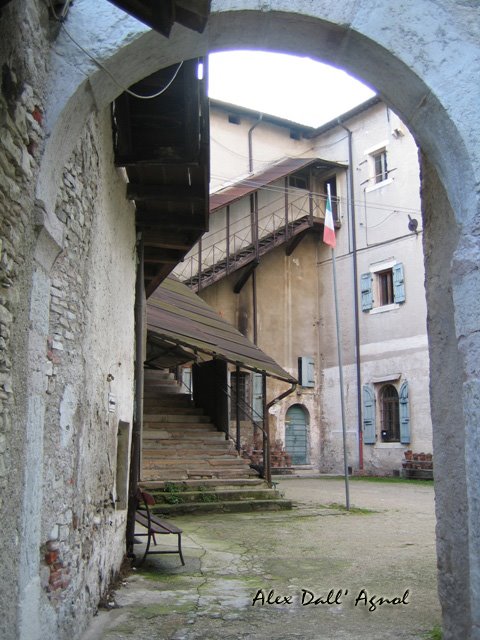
(266, 424)
(136, 448)
(250, 145)
(355, 294)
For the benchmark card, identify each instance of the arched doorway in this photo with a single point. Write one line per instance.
(296, 434)
(436, 100)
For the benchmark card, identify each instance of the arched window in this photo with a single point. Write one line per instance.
(389, 414)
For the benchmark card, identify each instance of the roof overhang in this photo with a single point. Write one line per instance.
(177, 316)
(245, 186)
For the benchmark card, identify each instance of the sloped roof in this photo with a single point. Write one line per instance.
(177, 314)
(256, 181)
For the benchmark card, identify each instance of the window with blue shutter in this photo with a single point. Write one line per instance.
(398, 283)
(306, 371)
(257, 397)
(369, 426)
(366, 290)
(404, 414)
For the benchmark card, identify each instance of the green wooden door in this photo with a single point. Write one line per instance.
(296, 434)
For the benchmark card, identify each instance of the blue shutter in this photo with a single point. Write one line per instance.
(398, 283)
(404, 414)
(257, 397)
(369, 427)
(306, 371)
(366, 288)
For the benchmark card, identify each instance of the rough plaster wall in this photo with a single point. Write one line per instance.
(91, 340)
(21, 134)
(441, 235)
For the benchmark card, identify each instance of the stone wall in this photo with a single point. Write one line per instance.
(89, 383)
(23, 73)
(64, 535)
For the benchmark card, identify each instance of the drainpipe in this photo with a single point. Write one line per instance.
(250, 146)
(136, 449)
(355, 294)
(266, 424)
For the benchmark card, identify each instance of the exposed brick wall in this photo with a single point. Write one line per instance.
(82, 529)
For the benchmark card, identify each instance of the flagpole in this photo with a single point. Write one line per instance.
(329, 238)
(342, 394)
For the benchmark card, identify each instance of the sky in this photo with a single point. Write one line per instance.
(295, 88)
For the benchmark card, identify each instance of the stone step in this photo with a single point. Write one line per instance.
(157, 374)
(195, 463)
(199, 475)
(217, 483)
(191, 435)
(222, 506)
(154, 409)
(179, 428)
(160, 389)
(174, 418)
(184, 446)
(174, 494)
(189, 454)
(165, 398)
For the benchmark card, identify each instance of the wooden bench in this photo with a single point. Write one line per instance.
(155, 526)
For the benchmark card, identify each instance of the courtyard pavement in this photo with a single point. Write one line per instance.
(313, 573)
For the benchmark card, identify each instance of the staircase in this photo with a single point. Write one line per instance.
(289, 235)
(188, 465)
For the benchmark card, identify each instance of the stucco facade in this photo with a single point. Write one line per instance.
(292, 298)
(423, 57)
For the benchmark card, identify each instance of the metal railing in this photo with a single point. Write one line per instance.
(256, 448)
(237, 243)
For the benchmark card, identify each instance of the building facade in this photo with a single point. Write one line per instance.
(285, 299)
(58, 193)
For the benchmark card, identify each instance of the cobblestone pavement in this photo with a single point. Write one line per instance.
(313, 573)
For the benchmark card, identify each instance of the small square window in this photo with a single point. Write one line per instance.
(385, 287)
(233, 119)
(299, 181)
(380, 166)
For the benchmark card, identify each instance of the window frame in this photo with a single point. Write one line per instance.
(389, 408)
(380, 166)
(377, 179)
(373, 301)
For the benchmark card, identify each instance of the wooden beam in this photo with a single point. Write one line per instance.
(245, 276)
(181, 192)
(162, 220)
(161, 256)
(293, 243)
(152, 283)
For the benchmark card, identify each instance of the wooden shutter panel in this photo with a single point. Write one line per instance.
(306, 371)
(404, 414)
(366, 289)
(257, 397)
(369, 426)
(398, 283)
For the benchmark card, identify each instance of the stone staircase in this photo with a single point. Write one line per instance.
(187, 464)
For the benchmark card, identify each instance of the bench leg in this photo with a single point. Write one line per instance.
(180, 548)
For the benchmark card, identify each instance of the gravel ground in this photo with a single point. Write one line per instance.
(313, 573)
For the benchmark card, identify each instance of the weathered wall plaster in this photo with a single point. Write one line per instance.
(422, 55)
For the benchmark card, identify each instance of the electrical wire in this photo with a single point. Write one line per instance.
(61, 20)
(259, 186)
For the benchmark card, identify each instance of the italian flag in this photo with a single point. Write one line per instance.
(329, 229)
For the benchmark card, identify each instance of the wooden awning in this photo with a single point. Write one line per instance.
(178, 316)
(256, 181)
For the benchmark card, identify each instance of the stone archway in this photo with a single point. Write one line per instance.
(411, 54)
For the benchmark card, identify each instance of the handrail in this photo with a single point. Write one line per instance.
(216, 256)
